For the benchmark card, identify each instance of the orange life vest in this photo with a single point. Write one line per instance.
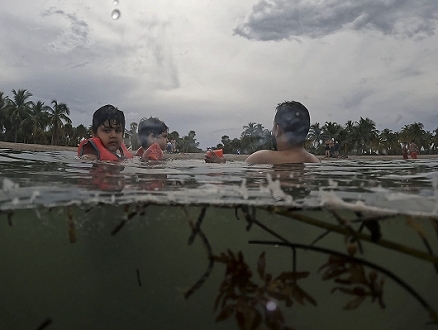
(102, 152)
(154, 152)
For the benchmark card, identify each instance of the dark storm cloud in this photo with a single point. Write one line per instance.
(288, 19)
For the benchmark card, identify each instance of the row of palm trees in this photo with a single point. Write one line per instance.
(358, 138)
(23, 120)
(362, 138)
(253, 137)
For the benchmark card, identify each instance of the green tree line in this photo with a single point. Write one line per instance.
(23, 120)
(358, 138)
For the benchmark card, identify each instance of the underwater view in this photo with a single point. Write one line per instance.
(181, 244)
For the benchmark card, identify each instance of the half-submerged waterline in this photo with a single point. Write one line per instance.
(188, 245)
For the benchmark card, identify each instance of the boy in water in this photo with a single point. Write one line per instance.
(291, 125)
(108, 127)
(152, 134)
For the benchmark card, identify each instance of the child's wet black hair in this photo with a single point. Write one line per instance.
(294, 120)
(108, 112)
(150, 125)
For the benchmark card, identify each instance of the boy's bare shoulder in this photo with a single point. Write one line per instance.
(261, 157)
(281, 157)
(312, 159)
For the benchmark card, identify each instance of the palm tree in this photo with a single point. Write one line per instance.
(389, 142)
(315, 135)
(428, 144)
(18, 109)
(434, 141)
(4, 122)
(58, 114)
(348, 138)
(247, 137)
(367, 135)
(250, 129)
(331, 130)
(255, 137)
(37, 120)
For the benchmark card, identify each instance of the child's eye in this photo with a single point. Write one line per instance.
(118, 131)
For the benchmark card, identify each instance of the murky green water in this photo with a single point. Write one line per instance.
(188, 245)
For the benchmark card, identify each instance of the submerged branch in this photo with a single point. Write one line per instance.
(71, 226)
(341, 230)
(197, 230)
(394, 277)
(45, 324)
(129, 217)
(197, 227)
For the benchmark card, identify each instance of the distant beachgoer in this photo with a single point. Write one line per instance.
(152, 134)
(169, 147)
(327, 148)
(336, 148)
(291, 125)
(413, 149)
(174, 150)
(405, 149)
(108, 126)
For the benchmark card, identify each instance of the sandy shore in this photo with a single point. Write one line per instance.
(40, 147)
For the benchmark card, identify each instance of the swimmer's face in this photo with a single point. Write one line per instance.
(111, 135)
(162, 140)
(148, 140)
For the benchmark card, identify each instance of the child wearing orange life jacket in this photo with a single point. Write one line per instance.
(152, 134)
(108, 127)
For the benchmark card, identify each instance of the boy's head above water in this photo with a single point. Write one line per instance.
(151, 130)
(108, 116)
(294, 120)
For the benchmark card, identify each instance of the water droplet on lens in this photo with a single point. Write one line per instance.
(115, 2)
(115, 14)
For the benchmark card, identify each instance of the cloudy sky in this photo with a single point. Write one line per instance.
(214, 66)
